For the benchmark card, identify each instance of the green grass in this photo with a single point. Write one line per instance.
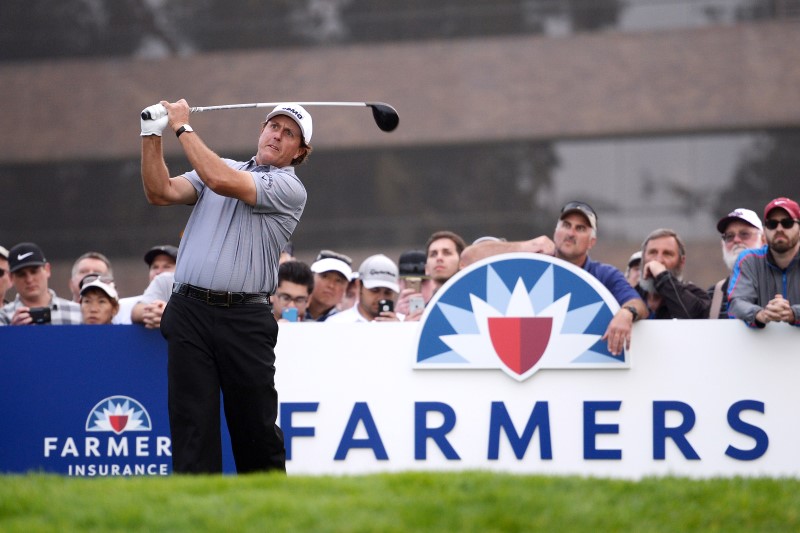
(418, 502)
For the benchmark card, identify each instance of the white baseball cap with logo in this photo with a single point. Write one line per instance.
(745, 215)
(298, 114)
(379, 271)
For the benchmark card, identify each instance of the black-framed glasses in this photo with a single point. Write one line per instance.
(94, 276)
(743, 235)
(785, 223)
(286, 298)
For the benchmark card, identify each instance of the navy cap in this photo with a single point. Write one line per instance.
(166, 249)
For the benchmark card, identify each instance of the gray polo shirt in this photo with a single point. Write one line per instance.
(231, 246)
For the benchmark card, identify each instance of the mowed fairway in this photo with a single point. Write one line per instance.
(414, 502)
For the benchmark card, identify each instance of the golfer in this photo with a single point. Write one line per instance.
(219, 326)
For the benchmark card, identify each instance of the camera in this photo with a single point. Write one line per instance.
(385, 306)
(40, 315)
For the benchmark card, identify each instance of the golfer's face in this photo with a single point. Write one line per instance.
(280, 142)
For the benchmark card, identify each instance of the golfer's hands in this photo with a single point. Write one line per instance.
(177, 113)
(157, 121)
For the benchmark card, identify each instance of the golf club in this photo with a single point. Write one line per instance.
(385, 115)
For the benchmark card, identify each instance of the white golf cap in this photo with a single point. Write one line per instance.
(379, 271)
(299, 114)
(110, 291)
(745, 215)
(330, 264)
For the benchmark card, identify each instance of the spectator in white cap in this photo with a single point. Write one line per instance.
(36, 302)
(99, 300)
(332, 273)
(741, 229)
(5, 277)
(378, 287)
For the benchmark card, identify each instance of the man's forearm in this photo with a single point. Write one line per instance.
(155, 175)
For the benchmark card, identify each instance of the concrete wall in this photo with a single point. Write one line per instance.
(725, 78)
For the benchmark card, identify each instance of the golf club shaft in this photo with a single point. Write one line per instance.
(273, 104)
(385, 115)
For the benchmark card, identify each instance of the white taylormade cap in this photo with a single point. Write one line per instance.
(299, 114)
(379, 271)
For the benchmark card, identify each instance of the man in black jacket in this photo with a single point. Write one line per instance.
(661, 284)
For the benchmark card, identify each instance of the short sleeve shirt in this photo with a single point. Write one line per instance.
(229, 245)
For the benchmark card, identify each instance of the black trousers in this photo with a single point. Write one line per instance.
(228, 349)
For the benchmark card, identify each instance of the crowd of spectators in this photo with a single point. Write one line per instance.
(762, 282)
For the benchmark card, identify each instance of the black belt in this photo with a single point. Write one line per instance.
(225, 299)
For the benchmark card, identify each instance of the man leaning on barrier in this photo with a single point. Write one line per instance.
(574, 236)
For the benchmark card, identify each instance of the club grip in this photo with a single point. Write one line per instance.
(146, 115)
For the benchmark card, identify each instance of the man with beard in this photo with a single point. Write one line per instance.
(765, 282)
(661, 284)
(741, 230)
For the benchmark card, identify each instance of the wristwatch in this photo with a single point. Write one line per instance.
(182, 129)
(633, 311)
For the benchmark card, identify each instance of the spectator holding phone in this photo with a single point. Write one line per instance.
(416, 288)
(99, 299)
(377, 293)
(35, 303)
(295, 283)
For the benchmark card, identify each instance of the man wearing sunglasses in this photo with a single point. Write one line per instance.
(765, 282)
(740, 230)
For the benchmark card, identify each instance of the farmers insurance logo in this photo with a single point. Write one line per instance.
(118, 414)
(518, 313)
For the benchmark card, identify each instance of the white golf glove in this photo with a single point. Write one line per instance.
(156, 122)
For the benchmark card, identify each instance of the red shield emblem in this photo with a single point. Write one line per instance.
(118, 422)
(520, 341)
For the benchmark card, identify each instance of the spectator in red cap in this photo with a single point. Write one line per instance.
(765, 283)
(741, 229)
